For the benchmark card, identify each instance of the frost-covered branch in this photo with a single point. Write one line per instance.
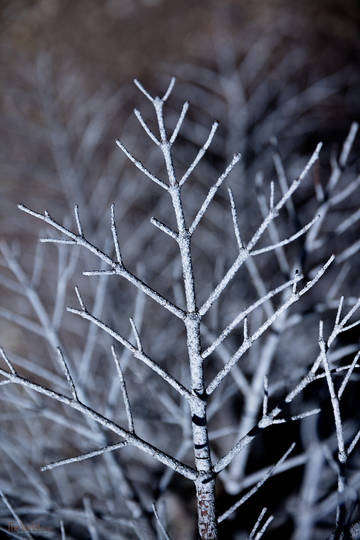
(295, 296)
(116, 267)
(253, 490)
(136, 351)
(129, 437)
(246, 252)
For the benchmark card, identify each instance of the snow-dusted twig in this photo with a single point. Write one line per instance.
(78, 222)
(212, 192)
(257, 524)
(243, 315)
(116, 268)
(124, 391)
(342, 453)
(199, 155)
(7, 361)
(140, 166)
(83, 457)
(161, 526)
(348, 375)
(67, 374)
(135, 351)
(164, 228)
(115, 235)
(179, 123)
(130, 438)
(246, 252)
(235, 219)
(353, 443)
(263, 529)
(136, 334)
(253, 490)
(246, 345)
(146, 127)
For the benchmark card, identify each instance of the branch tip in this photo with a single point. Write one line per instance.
(169, 90)
(82, 305)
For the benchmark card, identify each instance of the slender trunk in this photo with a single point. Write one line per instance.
(207, 520)
(205, 485)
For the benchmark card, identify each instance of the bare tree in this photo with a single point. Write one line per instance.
(199, 386)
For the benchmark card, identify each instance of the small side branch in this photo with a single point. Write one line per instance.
(135, 351)
(130, 438)
(246, 252)
(200, 154)
(164, 228)
(348, 375)
(179, 123)
(146, 127)
(115, 235)
(67, 374)
(295, 296)
(136, 334)
(212, 192)
(288, 240)
(142, 89)
(253, 490)
(235, 220)
(7, 361)
(334, 399)
(161, 526)
(242, 316)
(78, 222)
(254, 534)
(141, 167)
(116, 268)
(124, 391)
(83, 457)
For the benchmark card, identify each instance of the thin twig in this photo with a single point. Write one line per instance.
(179, 122)
(199, 155)
(131, 438)
(212, 192)
(136, 352)
(78, 222)
(67, 374)
(116, 268)
(83, 457)
(253, 490)
(124, 391)
(246, 345)
(115, 235)
(146, 127)
(245, 253)
(257, 524)
(161, 526)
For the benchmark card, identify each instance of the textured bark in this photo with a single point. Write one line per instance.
(205, 485)
(207, 519)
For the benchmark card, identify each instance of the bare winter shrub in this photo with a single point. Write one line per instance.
(184, 347)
